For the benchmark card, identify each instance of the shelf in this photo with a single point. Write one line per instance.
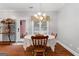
(7, 33)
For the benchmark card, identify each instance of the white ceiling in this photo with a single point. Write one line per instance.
(36, 6)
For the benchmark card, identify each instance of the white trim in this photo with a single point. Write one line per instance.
(47, 27)
(73, 52)
(32, 28)
(17, 32)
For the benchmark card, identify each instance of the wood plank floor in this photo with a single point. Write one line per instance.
(17, 50)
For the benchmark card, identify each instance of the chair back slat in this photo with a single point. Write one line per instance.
(39, 40)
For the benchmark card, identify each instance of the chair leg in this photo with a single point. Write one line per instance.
(53, 49)
(34, 53)
(44, 54)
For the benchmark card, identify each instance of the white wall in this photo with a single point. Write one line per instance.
(68, 26)
(18, 15)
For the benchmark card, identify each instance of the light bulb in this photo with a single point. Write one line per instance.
(39, 13)
(35, 15)
(41, 18)
(44, 14)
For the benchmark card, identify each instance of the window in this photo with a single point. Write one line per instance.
(40, 27)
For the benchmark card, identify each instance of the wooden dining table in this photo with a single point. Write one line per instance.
(51, 41)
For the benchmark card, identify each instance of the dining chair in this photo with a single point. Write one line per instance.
(39, 44)
(54, 41)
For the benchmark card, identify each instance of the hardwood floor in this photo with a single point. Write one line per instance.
(17, 50)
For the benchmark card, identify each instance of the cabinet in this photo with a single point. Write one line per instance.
(8, 29)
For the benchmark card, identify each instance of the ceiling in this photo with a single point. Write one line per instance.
(31, 6)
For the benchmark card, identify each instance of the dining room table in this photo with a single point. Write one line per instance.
(51, 41)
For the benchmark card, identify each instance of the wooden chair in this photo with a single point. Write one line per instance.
(39, 44)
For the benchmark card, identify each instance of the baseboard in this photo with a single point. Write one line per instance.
(6, 42)
(73, 52)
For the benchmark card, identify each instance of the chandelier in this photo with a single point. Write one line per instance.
(39, 15)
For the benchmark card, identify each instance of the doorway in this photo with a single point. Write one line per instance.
(22, 28)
